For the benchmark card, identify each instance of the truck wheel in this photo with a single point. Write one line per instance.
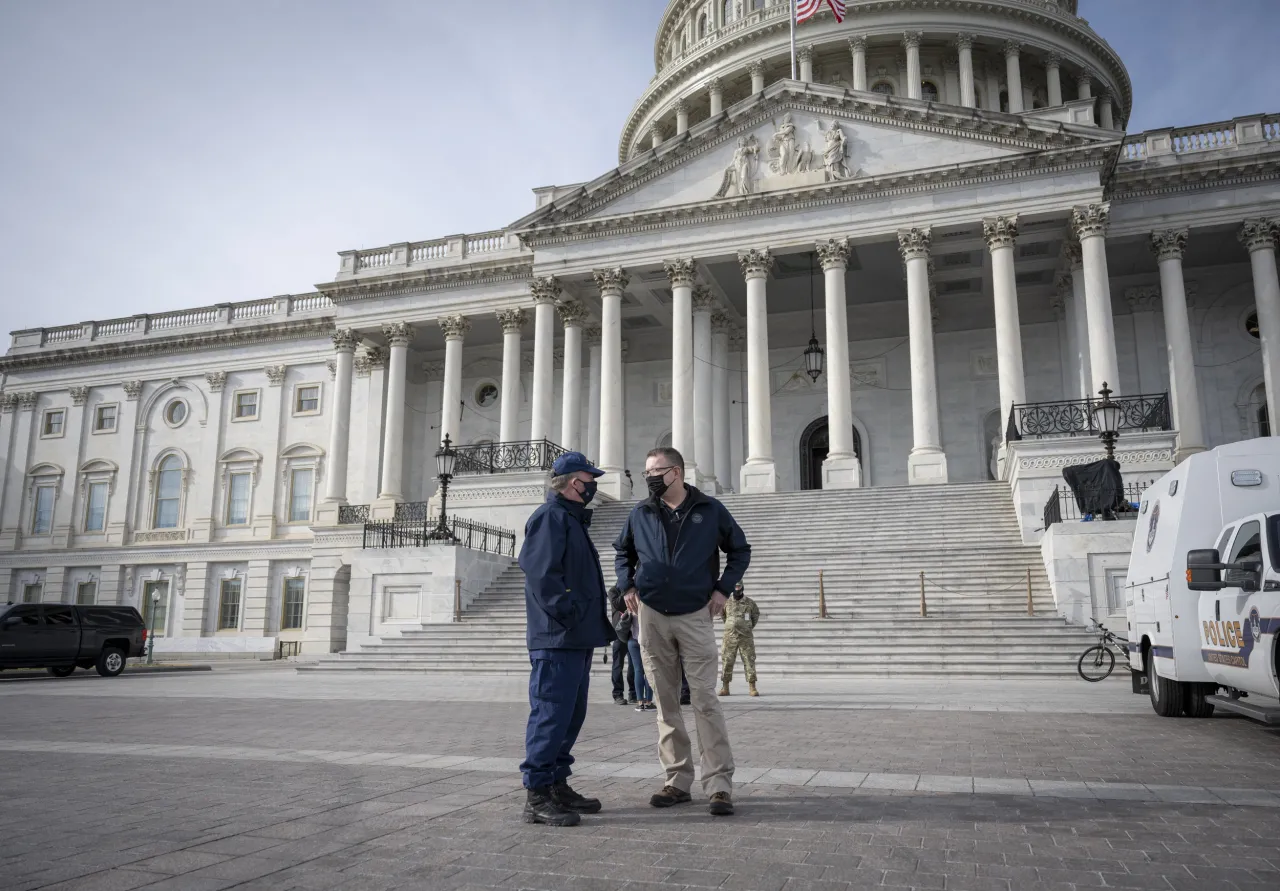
(62, 671)
(110, 662)
(1195, 704)
(1166, 695)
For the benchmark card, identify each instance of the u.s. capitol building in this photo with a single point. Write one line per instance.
(945, 200)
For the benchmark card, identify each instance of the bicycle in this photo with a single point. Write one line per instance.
(1097, 662)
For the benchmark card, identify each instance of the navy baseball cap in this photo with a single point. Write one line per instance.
(572, 462)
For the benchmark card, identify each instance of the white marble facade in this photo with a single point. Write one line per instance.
(954, 251)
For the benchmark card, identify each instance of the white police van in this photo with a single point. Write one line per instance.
(1203, 588)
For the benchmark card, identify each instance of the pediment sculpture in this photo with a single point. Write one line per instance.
(789, 164)
(740, 176)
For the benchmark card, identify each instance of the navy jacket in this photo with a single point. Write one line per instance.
(563, 585)
(682, 582)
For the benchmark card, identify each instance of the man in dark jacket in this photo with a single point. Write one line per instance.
(668, 563)
(565, 605)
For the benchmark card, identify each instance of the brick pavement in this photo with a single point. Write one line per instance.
(317, 793)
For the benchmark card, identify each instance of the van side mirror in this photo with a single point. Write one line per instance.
(1247, 576)
(1204, 570)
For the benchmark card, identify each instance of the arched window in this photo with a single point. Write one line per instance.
(1004, 100)
(684, 42)
(702, 26)
(883, 87)
(168, 494)
(757, 4)
(928, 91)
(728, 11)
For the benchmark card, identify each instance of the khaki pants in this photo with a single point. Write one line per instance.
(664, 642)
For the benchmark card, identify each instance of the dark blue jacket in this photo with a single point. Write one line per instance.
(682, 582)
(563, 585)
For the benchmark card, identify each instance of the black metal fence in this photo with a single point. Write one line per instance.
(351, 514)
(1062, 505)
(507, 457)
(420, 533)
(411, 511)
(1074, 417)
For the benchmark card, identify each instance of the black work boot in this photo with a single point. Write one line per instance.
(572, 801)
(542, 807)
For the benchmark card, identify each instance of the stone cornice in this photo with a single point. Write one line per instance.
(161, 346)
(424, 280)
(1144, 179)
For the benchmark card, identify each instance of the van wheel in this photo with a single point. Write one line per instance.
(1166, 695)
(110, 662)
(1195, 704)
(62, 671)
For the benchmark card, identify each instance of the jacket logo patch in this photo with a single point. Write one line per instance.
(696, 518)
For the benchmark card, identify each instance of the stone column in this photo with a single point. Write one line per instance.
(927, 462)
(681, 273)
(1000, 233)
(592, 435)
(512, 321)
(1079, 319)
(757, 76)
(398, 335)
(858, 48)
(720, 325)
(805, 55)
(1013, 74)
(1089, 223)
(911, 43)
(704, 417)
(655, 135)
(1259, 237)
(545, 293)
(682, 117)
(344, 349)
(1106, 118)
(758, 473)
(1084, 85)
(964, 47)
(455, 328)
(841, 469)
(715, 90)
(572, 314)
(993, 87)
(1168, 245)
(1053, 78)
(611, 282)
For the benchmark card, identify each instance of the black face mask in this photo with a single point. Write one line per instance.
(738, 595)
(588, 490)
(657, 484)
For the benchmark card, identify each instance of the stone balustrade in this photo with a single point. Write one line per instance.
(1239, 133)
(274, 308)
(456, 249)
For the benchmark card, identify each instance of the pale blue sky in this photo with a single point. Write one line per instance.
(157, 155)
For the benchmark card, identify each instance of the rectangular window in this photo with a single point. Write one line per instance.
(238, 499)
(42, 518)
(246, 405)
(95, 509)
(306, 399)
(86, 593)
(59, 615)
(33, 592)
(229, 605)
(53, 421)
(155, 606)
(104, 418)
(300, 495)
(291, 609)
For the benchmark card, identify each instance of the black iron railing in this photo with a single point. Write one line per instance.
(507, 457)
(1062, 505)
(412, 511)
(350, 514)
(420, 533)
(1074, 417)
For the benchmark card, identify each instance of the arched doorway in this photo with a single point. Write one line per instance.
(814, 445)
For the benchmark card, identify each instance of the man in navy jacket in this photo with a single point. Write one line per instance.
(567, 620)
(668, 563)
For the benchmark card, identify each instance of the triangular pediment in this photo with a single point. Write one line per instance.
(795, 139)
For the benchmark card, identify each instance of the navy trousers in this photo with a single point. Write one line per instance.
(557, 708)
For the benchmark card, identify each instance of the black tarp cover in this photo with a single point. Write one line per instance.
(1098, 486)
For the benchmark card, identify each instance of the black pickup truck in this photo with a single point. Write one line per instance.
(61, 638)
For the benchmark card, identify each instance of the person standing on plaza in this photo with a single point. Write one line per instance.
(565, 606)
(668, 563)
(740, 617)
(623, 664)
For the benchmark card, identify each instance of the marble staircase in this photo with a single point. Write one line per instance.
(871, 546)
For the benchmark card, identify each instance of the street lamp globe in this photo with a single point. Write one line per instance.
(1108, 415)
(446, 455)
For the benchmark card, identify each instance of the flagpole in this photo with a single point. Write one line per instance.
(793, 38)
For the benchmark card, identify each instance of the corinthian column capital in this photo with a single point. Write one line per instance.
(1000, 231)
(512, 320)
(545, 289)
(611, 281)
(1090, 220)
(345, 340)
(911, 39)
(454, 327)
(914, 243)
(1168, 244)
(703, 299)
(398, 333)
(679, 272)
(833, 253)
(964, 41)
(1011, 49)
(572, 313)
(755, 263)
(1259, 234)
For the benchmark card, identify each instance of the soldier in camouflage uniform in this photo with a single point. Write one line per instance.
(740, 617)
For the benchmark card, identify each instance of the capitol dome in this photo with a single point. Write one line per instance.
(709, 54)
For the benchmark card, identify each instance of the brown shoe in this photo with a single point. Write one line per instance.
(751, 688)
(721, 805)
(669, 797)
(724, 689)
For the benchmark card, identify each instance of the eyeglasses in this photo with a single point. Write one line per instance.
(658, 471)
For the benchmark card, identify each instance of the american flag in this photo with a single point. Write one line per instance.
(807, 9)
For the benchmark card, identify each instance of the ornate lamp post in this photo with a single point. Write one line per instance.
(446, 455)
(151, 637)
(813, 354)
(1108, 415)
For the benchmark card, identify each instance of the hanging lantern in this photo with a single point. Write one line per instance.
(813, 358)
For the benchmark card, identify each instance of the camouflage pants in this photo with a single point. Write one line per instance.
(733, 645)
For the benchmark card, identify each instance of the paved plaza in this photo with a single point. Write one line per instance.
(265, 778)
